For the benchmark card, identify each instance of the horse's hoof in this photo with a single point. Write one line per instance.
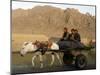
(51, 64)
(60, 63)
(41, 67)
(21, 55)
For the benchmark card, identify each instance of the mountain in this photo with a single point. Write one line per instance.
(50, 21)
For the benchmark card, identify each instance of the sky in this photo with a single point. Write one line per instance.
(29, 5)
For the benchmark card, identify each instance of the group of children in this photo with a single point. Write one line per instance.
(73, 36)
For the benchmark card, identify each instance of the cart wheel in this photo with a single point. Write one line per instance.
(67, 59)
(80, 61)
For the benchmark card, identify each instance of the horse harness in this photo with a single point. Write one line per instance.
(42, 48)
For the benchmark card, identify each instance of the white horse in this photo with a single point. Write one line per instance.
(30, 46)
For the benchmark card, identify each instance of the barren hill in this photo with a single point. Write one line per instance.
(50, 21)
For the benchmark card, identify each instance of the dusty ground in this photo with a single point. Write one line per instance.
(24, 65)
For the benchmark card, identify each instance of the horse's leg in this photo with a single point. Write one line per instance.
(53, 58)
(58, 57)
(33, 58)
(41, 61)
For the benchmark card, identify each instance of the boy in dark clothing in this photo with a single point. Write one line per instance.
(65, 35)
(77, 36)
(75, 39)
(71, 35)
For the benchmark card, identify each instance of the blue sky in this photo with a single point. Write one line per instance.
(29, 5)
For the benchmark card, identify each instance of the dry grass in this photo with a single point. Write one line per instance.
(18, 39)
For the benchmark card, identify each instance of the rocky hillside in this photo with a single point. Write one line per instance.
(50, 21)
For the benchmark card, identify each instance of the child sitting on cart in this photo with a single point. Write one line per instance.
(73, 40)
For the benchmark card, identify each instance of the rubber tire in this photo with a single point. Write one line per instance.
(81, 61)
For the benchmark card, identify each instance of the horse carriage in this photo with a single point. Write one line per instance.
(72, 53)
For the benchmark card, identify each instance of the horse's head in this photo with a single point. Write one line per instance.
(26, 47)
